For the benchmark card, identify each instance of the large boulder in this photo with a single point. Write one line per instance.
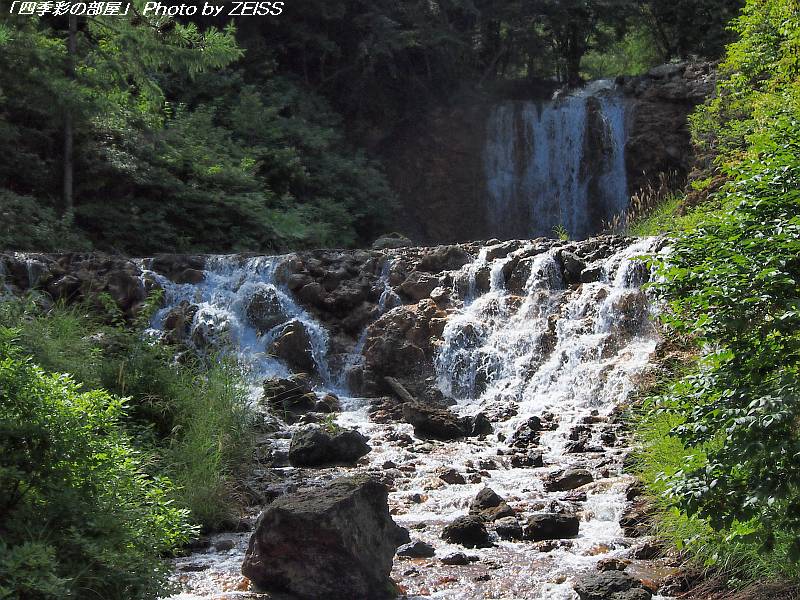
(551, 526)
(315, 447)
(264, 310)
(610, 585)
(443, 424)
(468, 531)
(333, 542)
(567, 479)
(293, 345)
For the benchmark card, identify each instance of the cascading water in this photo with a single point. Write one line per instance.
(513, 350)
(241, 308)
(556, 164)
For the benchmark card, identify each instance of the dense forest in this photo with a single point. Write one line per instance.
(145, 135)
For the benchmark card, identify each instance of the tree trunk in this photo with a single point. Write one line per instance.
(69, 133)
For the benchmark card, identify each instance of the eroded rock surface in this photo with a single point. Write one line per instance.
(336, 541)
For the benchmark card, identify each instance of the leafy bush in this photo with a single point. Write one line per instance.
(192, 416)
(79, 513)
(731, 284)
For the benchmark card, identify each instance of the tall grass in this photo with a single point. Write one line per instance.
(191, 416)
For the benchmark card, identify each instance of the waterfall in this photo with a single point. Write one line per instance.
(522, 342)
(226, 320)
(556, 164)
(555, 346)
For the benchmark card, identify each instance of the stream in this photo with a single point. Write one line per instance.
(567, 356)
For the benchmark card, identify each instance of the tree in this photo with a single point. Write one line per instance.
(690, 27)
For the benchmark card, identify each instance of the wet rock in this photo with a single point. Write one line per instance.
(264, 310)
(637, 519)
(489, 506)
(293, 345)
(458, 559)
(443, 424)
(684, 580)
(178, 322)
(452, 477)
(610, 585)
(612, 564)
(314, 447)
(508, 528)
(591, 274)
(291, 396)
(531, 459)
(418, 285)
(477, 425)
(335, 541)
(436, 423)
(180, 268)
(443, 258)
(468, 531)
(527, 434)
(193, 567)
(648, 551)
(568, 479)
(416, 550)
(400, 344)
(551, 526)
(573, 266)
(329, 403)
(224, 545)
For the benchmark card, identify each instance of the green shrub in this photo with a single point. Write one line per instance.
(192, 415)
(731, 285)
(79, 514)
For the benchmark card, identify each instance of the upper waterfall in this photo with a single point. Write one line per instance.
(556, 164)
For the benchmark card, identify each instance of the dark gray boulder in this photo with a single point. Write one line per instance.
(468, 531)
(551, 526)
(489, 506)
(568, 479)
(332, 542)
(508, 528)
(416, 550)
(315, 447)
(443, 424)
(610, 585)
(293, 345)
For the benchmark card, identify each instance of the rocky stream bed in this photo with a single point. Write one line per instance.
(486, 383)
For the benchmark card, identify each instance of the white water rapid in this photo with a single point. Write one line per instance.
(554, 164)
(569, 355)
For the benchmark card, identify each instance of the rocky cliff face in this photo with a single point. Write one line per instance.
(660, 102)
(438, 164)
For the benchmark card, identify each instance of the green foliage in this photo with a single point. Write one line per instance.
(561, 232)
(634, 54)
(192, 417)
(686, 28)
(66, 464)
(27, 225)
(174, 151)
(731, 283)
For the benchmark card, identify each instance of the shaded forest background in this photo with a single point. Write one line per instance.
(145, 134)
